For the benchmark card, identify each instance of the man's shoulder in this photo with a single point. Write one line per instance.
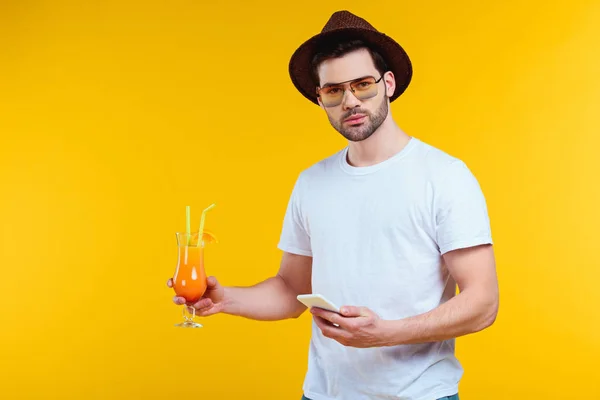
(446, 171)
(435, 156)
(437, 162)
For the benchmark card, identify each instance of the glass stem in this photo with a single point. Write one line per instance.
(193, 313)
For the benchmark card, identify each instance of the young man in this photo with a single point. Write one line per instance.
(386, 227)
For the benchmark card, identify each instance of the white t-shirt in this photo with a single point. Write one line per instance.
(376, 235)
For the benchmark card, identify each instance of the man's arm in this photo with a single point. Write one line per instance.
(472, 310)
(274, 298)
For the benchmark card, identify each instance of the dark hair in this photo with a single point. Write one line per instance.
(335, 48)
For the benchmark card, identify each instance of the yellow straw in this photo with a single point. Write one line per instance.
(202, 219)
(187, 225)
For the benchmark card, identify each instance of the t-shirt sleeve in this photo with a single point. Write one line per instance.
(461, 211)
(295, 236)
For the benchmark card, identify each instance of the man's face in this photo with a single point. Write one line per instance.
(355, 119)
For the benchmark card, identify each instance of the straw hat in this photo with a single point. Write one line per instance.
(345, 25)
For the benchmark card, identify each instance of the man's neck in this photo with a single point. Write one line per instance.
(384, 143)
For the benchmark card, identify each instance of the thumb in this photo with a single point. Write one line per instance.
(350, 311)
(212, 282)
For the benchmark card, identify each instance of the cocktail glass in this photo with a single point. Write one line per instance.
(189, 280)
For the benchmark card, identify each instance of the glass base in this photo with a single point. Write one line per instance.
(189, 324)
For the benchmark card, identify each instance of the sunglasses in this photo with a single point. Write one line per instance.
(332, 95)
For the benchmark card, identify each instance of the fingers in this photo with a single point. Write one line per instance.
(206, 307)
(329, 317)
(176, 299)
(208, 311)
(212, 282)
(202, 304)
(330, 331)
(323, 324)
(203, 307)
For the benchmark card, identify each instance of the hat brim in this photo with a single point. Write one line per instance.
(394, 55)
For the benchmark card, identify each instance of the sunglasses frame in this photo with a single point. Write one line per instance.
(349, 84)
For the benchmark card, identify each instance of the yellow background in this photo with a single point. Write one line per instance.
(116, 115)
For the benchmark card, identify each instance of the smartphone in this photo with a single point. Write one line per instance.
(317, 300)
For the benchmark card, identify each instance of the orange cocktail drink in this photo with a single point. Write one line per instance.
(189, 280)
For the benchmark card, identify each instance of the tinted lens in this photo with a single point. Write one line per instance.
(332, 95)
(363, 89)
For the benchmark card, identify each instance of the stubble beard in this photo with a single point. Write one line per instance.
(358, 133)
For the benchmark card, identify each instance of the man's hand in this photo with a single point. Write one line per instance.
(212, 302)
(356, 326)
